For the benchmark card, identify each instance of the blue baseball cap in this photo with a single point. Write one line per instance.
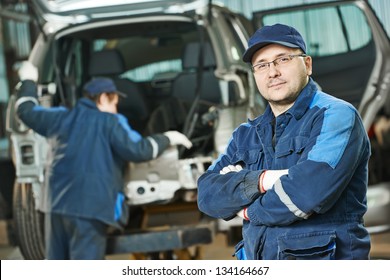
(274, 34)
(97, 86)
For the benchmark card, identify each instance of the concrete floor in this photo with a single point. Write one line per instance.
(380, 246)
(219, 250)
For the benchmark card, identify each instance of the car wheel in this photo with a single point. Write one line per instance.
(28, 223)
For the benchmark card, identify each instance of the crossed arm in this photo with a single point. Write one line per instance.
(266, 180)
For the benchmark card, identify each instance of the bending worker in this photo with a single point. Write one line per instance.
(89, 146)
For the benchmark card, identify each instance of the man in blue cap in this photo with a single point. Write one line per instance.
(297, 174)
(89, 146)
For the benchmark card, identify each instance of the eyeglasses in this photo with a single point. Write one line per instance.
(262, 67)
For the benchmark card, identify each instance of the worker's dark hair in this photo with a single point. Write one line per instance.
(95, 98)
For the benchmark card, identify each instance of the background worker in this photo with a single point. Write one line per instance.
(89, 146)
(296, 174)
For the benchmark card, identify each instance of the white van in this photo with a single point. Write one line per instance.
(179, 62)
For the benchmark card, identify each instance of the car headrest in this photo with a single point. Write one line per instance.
(106, 63)
(191, 55)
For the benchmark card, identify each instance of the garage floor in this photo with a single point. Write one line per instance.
(219, 250)
(380, 246)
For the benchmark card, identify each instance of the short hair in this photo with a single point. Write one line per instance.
(95, 98)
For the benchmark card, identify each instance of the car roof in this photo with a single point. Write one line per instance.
(73, 10)
(55, 15)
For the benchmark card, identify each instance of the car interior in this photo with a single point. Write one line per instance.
(167, 97)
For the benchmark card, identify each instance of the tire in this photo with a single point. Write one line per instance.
(28, 223)
(3, 208)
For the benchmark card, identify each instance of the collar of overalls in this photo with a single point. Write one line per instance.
(88, 103)
(299, 108)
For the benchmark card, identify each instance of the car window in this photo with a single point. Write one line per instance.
(339, 40)
(237, 48)
(146, 73)
(143, 73)
(359, 34)
(346, 28)
(146, 55)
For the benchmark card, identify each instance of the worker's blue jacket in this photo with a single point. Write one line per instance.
(88, 150)
(314, 212)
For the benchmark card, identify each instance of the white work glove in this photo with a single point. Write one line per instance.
(243, 214)
(177, 138)
(230, 168)
(28, 71)
(234, 168)
(269, 177)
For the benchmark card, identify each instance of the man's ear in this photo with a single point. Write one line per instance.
(309, 66)
(102, 99)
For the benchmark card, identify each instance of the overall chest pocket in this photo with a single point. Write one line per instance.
(292, 148)
(248, 159)
(308, 246)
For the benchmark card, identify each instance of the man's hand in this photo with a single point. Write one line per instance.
(177, 138)
(230, 168)
(269, 177)
(28, 71)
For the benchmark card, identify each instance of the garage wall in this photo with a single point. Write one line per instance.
(15, 44)
(3, 74)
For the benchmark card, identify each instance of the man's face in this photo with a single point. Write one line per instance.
(280, 85)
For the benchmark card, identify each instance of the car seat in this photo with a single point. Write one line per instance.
(184, 85)
(110, 63)
(173, 113)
